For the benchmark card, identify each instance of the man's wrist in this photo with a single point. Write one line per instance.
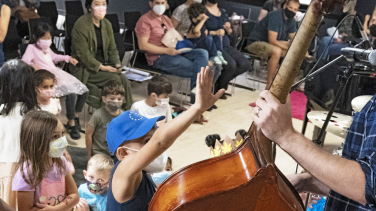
(287, 139)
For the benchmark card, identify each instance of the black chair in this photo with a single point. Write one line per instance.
(70, 20)
(49, 9)
(22, 48)
(130, 21)
(74, 8)
(35, 21)
(114, 20)
(120, 45)
(11, 42)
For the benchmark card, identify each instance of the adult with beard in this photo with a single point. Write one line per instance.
(219, 24)
(269, 38)
(269, 6)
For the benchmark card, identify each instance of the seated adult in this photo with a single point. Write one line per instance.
(219, 24)
(180, 17)
(93, 45)
(348, 31)
(269, 6)
(150, 30)
(270, 36)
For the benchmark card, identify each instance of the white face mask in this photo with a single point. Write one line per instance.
(159, 9)
(57, 147)
(198, 1)
(157, 165)
(163, 102)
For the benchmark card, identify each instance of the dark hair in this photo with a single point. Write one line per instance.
(89, 2)
(113, 88)
(10, 3)
(41, 75)
(211, 139)
(36, 132)
(159, 85)
(242, 133)
(287, 2)
(17, 85)
(39, 31)
(194, 11)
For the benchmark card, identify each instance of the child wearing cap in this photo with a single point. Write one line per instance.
(140, 148)
(95, 138)
(93, 194)
(156, 104)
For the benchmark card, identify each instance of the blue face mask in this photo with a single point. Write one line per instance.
(161, 176)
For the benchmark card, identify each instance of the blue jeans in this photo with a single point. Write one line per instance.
(333, 49)
(185, 65)
(206, 43)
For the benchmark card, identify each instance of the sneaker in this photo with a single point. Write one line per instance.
(219, 54)
(73, 132)
(77, 122)
(216, 60)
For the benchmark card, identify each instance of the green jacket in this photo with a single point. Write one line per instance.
(84, 47)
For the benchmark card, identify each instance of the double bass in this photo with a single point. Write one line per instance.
(247, 178)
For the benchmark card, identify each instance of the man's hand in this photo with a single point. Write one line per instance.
(172, 51)
(273, 118)
(221, 32)
(204, 97)
(73, 61)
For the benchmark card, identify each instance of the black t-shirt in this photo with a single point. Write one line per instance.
(99, 56)
(274, 21)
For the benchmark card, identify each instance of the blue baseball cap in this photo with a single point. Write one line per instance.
(128, 126)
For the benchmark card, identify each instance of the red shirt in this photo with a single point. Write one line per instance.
(149, 26)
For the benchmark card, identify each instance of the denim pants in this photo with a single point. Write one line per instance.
(333, 49)
(185, 65)
(209, 43)
(75, 103)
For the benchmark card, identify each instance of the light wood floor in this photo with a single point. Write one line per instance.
(232, 114)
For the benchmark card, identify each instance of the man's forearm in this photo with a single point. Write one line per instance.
(153, 48)
(281, 44)
(343, 176)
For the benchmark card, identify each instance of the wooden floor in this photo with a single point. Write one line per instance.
(232, 114)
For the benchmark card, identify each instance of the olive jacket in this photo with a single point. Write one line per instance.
(84, 47)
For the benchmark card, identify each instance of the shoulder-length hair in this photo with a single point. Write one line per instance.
(17, 85)
(37, 130)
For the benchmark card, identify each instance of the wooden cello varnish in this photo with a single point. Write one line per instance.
(247, 178)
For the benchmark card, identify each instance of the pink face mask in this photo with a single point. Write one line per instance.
(47, 93)
(100, 11)
(44, 44)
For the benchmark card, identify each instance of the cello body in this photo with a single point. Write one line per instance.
(247, 178)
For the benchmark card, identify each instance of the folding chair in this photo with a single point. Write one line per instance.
(114, 20)
(35, 21)
(74, 8)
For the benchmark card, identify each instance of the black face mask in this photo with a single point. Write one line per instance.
(212, 1)
(372, 30)
(289, 14)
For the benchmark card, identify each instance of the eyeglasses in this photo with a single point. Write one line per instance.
(165, 28)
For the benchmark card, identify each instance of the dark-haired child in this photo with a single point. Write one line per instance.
(45, 88)
(42, 179)
(17, 97)
(211, 139)
(157, 102)
(198, 34)
(39, 55)
(95, 136)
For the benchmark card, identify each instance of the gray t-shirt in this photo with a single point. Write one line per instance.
(99, 121)
(182, 16)
(274, 21)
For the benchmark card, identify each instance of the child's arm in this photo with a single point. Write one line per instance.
(70, 201)
(128, 171)
(28, 56)
(26, 200)
(89, 140)
(197, 30)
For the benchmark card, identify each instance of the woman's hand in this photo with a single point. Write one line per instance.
(82, 205)
(108, 69)
(73, 61)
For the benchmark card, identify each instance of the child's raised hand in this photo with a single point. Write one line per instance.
(204, 97)
(82, 205)
(203, 16)
(73, 61)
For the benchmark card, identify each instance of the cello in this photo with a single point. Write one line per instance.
(247, 178)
